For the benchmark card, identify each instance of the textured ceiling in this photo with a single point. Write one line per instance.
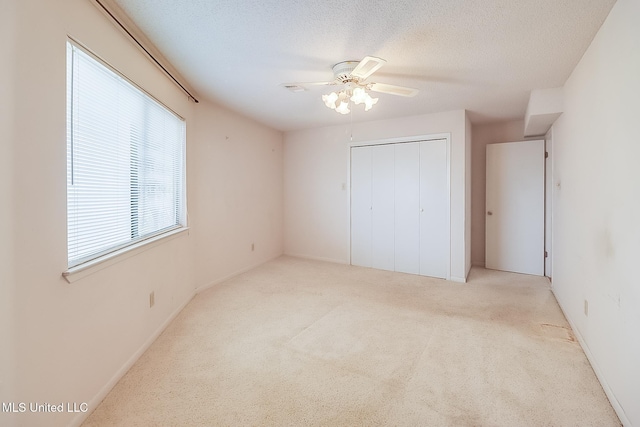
(481, 55)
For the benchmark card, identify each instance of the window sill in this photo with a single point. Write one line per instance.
(83, 270)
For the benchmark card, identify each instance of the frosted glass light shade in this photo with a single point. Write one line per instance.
(369, 102)
(343, 108)
(330, 100)
(359, 95)
(339, 101)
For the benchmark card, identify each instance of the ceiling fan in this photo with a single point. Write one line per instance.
(353, 75)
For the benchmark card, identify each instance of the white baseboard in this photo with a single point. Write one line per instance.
(93, 403)
(594, 365)
(234, 274)
(315, 258)
(338, 261)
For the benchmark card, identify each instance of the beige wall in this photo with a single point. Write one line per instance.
(316, 200)
(74, 340)
(7, 284)
(596, 206)
(237, 196)
(66, 342)
(316, 177)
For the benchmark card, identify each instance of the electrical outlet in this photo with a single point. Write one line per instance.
(252, 247)
(586, 307)
(152, 299)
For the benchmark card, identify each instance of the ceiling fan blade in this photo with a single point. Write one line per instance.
(367, 66)
(301, 87)
(393, 89)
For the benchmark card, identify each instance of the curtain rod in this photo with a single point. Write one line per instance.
(117, 21)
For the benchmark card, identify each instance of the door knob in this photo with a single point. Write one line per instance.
(489, 213)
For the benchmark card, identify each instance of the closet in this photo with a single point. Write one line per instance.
(400, 213)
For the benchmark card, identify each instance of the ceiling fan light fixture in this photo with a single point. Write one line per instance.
(352, 75)
(343, 108)
(359, 95)
(340, 101)
(369, 102)
(330, 100)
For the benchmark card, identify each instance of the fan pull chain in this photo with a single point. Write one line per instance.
(351, 115)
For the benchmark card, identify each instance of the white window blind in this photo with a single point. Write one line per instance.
(125, 161)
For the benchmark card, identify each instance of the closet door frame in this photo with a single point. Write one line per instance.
(400, 140)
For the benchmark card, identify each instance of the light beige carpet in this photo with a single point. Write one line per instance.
(298, 342)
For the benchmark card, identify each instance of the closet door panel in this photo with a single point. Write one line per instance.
(383, 211)
(407, 208)
(434, 209)
(361, 158)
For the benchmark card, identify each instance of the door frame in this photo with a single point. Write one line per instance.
(548, 204)
(401, 140)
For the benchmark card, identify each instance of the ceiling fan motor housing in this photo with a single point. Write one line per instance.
(342, 71)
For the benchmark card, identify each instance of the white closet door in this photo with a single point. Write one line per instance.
(383, 211)
(361, 158)
(434, 209)
(407, 208)
(400, 207)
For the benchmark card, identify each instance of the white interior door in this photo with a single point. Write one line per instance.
(361, 162)
(515, 207)
(407, 208)
(434, 209)
(383, 211)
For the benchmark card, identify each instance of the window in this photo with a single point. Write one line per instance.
(125, 161)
